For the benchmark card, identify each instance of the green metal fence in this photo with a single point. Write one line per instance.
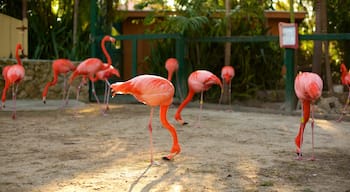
(180, 48)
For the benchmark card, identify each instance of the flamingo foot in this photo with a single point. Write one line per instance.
(312, 158)
(13, 116)
(181, 122)
(104, 113)
(174, 151)
(299, 154)
(155, 163)
(170, 156)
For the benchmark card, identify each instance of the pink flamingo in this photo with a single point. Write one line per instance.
(153, 91)
(227, 73)
(89, 67)
(13, 75)
(198, 81)
(59, 66)
(308, 88)
(104, 75)
(345, 80)
(172, 66)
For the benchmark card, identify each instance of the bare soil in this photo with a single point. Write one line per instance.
(78, 149)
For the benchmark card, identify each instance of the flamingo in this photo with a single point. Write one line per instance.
(345, 80)
(198, 81)
(308, 88)
(153, 91)
(59, 66)
(104, 75)
(172, 65)
(89, 67)
(227, 73)
(13, 75)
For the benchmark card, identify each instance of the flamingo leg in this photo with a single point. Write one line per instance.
(222, 93)
(64, 86)
(150, 133)
(345, 107)
(200, 110)
(78, 90)
(302, 121)
(14, 90)
(64, 101)
(67, 95)
(229, 90)
(163, 118)
(312, 131)
(107, 93)
(94, 92)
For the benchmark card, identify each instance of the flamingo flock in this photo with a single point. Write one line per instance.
(155, 91)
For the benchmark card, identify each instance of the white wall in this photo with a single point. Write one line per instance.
(10, 36)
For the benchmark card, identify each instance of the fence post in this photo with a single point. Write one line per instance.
(93, 15)
(134, 57)
(289, 62)
(180, 56)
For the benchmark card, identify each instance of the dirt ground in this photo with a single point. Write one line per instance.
(78, 149)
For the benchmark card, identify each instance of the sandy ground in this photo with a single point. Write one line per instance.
(77, 149)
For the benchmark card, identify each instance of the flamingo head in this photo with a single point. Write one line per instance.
(19, 46)
(171, 64)
(111, 39)
(343, 68)
(213, 80)
(227, 73)
(108, 38)
(115, 72)
(119, 88)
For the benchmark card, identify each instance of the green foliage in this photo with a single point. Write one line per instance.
(339, 22)
(50, 33)
(7, 7)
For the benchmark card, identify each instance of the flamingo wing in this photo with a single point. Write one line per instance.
(15, 73)
(202, 80)
(149, 89)
(308, 86)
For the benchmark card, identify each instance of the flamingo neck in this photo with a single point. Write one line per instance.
(304, 119)
(183, 104)
(170, 75)
(19, 62)
(105, 52)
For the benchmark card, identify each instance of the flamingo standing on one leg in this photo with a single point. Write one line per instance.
(59, 66)
(104, 75)
(308, 88)
(89, 67)
(13, 75)
(227, 73)
(345, 80)
(198, 81)
(153, 91)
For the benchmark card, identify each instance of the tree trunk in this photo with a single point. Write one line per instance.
(326, 47)
(75, 22)
(317, 56)
(226, 95)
